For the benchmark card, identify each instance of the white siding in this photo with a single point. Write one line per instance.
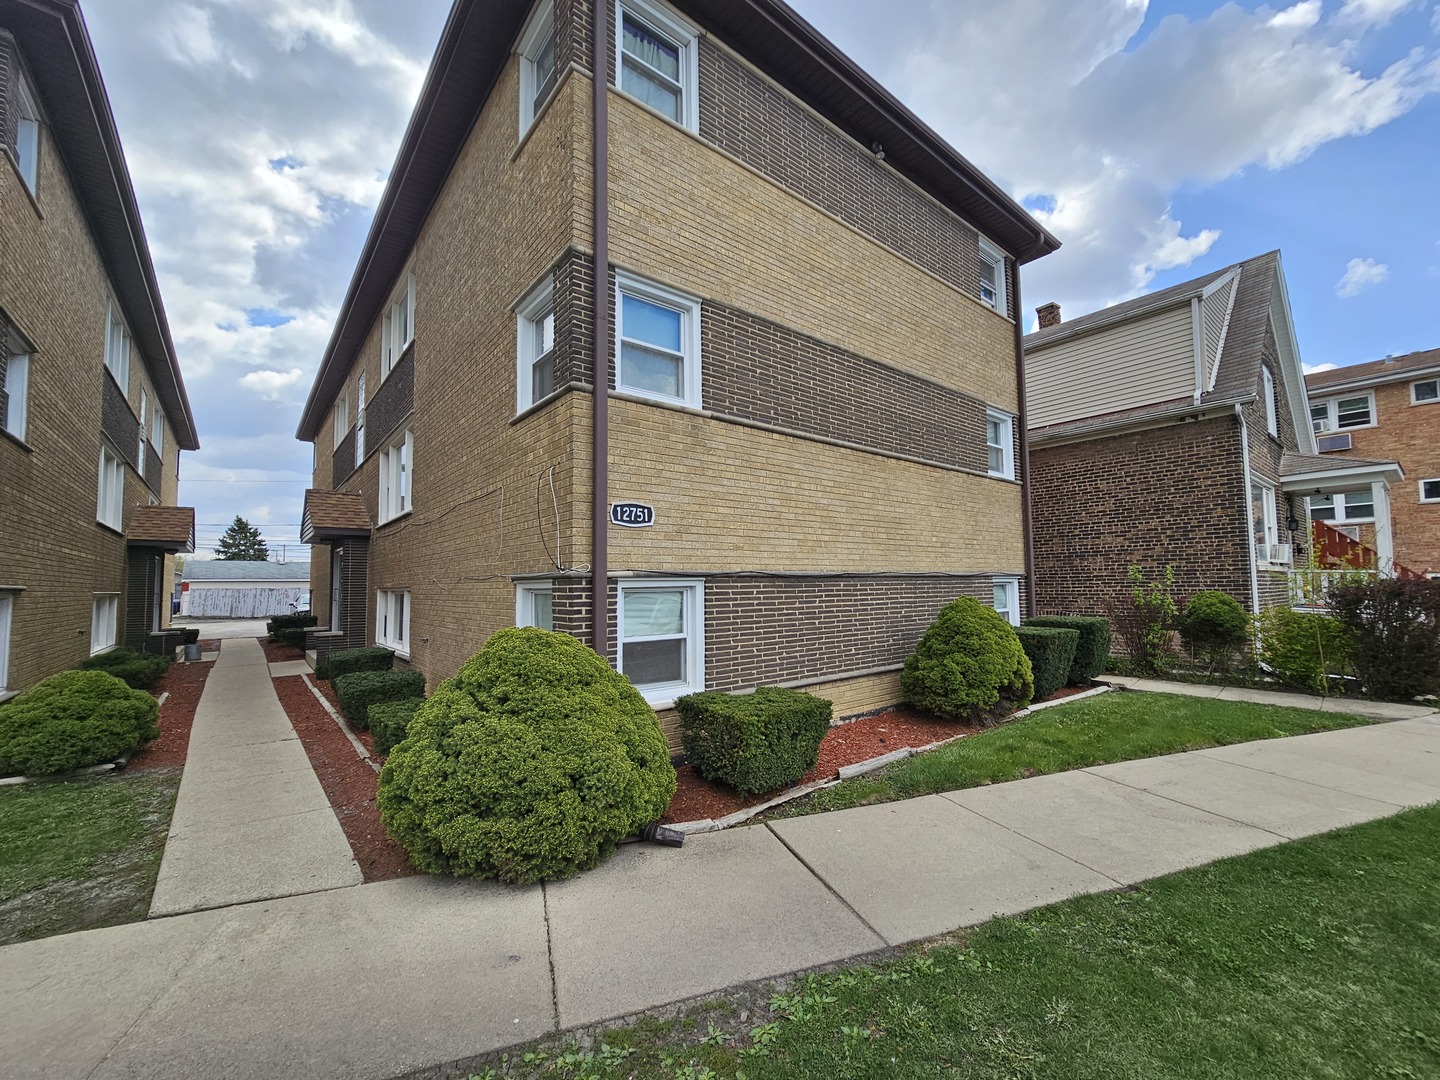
(1215, 314)
(1141, 362)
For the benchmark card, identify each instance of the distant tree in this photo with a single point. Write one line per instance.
(241, 543)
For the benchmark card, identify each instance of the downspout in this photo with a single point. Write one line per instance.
(1027, 524)
(1249, 510)
(600, 450)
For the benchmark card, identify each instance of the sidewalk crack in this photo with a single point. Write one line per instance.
(550, 956)
(832, 890)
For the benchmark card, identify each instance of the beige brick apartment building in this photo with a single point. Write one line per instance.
(93, 413)
(1391, 409)
(810, 440)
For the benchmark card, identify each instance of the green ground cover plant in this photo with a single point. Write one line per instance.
(1100, 730)
(1314, 959)
(79, 854)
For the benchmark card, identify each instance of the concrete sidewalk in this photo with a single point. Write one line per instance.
(1372, 710)
(251, 821)
(378, 980)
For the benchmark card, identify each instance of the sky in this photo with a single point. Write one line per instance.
(1158, 141)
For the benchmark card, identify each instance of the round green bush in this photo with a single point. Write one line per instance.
(529, 765)
(1214, 626)
(73, 720)
(969, 666)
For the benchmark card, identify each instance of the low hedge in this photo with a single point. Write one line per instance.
(1051, 650)
(137, 670)
(74, 720)
(294, 638)
(390, 720)
(754, 742)
(281, 623)
(1093, 651)
(361, 689)
(349, 661)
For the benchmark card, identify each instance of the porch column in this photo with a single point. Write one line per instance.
(1384, 537)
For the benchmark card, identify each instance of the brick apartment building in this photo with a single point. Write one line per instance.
(93, 413)
(1391, 409)
(812, 407)
(1173, 430)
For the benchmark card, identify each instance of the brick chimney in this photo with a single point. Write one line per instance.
(1049, 315)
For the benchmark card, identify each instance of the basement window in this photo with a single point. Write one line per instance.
(392, 622)
(1007, 599)
(657, 60)
(662, 638)
(103, 622)
(7, 609)
(535, 606)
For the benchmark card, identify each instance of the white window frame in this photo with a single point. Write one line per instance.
(360, 421)
(397, 478)
(1341, 510)
(396, 335)
(525, 596)
(1415, 399)
(110, 491)
(1012, 597)
(1267, 381)
(140, 441)
(663, 695)
(689, 309)
(1007, 449)
(342, 417)
(7, 615)
(993, 256)
(529, 339)
(1429, 499)
(1332, 413)
(17, 386)
(104, 622)
(27, 134)
(117, 347)
(682, 34)
(157, 432)
(1270, 519)
(539, 31)
(386, 614)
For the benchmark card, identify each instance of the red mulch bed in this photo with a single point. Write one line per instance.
(184, 683)
(349, 782)
(209, 644)
(276, 653)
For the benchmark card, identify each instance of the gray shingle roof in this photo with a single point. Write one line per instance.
(218, 570)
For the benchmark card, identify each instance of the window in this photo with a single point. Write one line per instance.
(15, 381)
(661, 638)
(342, 418)
(398, 330)
(539, 65)
(7, 608)
(535, 606)
(110, 504)
(103, 622)
(658, 339)
(1263, 521)
(1346, 506)
(1339, 413)
(1007, 599)
(140, 440)
(157, 432)
(1268, 381)
(395, 477)
(657, 60)
(535, 346)
(360, 421)
(392, 621)
(117, 347)
(992, 276)
(1000, 440)
(27, 134)
(1430, 491)
(1422, 393)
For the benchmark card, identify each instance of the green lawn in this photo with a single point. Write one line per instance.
(1096, 731)
(1318, 959)
(80, 854)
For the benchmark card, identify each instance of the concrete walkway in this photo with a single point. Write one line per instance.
(1373, 710)
(375, 981)
(251, 821)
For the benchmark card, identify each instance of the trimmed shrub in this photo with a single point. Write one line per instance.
(361, 689)
(73, 720)
(293, 638)
(1051, 650)
(389, 721)
(968, 666)
(1394, 627)
(1213, 626)
(754, 742)
(1092, 652)
(530, 764)
(349, 661)
(1304, 650)
(137, 670)
(278, 624)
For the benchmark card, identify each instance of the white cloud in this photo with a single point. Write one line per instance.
(1360, 274)
(1315, 369)
(1375, 12)
(269, 384)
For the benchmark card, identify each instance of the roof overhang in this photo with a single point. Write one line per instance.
(1186, 411)
(61, 63)
(333, 515)
(473, 51)
(1346, 477)
(166, 528)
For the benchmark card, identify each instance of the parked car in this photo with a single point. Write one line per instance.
(301, 606)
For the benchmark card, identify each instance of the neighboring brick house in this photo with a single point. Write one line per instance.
(1172, 430)
(1391, 409)
(93, 413)
(815, 391)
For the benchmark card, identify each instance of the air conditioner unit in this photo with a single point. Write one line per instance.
(1281, 554)
(1329, 444)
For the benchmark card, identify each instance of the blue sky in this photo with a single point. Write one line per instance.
(1158, 140)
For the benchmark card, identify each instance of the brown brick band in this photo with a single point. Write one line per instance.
(392, 403)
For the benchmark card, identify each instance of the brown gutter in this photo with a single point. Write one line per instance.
(1027, 521)
(600, 524)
